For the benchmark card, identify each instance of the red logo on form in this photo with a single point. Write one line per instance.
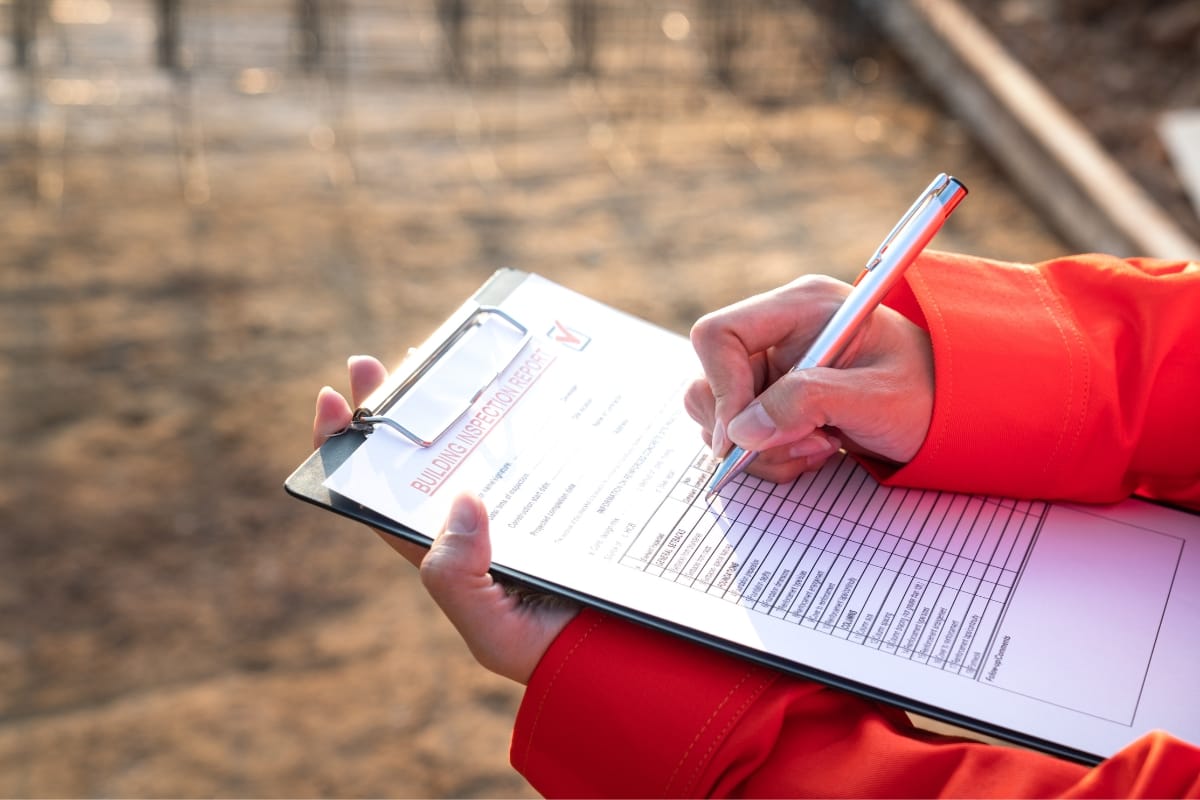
(568, 336)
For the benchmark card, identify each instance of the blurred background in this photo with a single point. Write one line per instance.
(206, 206)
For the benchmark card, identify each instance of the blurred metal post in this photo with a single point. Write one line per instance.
(452, 15)
(24, 31)
(583, 35)
(168, 34)
(311, 38)
(726, 24)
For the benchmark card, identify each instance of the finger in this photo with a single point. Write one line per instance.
(796, 405)
(506, 632)
(789, 410)
(699, 403)
(784, 464)
(455, 571)
(367, 374)
(332, 415)
(726, 356)
(886, 414)
(816, 447)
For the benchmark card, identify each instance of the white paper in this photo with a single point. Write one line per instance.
(1073, 625)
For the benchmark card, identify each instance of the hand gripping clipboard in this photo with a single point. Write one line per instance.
(436, 384)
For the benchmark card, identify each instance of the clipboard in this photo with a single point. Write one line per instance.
(307, 482)
(1022, 710)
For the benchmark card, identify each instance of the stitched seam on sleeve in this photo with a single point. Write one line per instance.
(546, 693)
(733, 720)
(1074, 408)
(722, 734)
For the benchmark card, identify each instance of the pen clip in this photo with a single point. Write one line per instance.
(939, 183)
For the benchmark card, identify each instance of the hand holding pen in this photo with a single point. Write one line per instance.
(832, 368)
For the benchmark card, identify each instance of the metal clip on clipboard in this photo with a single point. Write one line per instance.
(444, 386)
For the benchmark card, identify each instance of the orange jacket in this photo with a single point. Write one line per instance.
(1075, 378)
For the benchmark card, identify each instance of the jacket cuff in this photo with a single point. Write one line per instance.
(996, 328)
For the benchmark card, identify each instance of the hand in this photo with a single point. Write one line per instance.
(506, 631)
(876, 400)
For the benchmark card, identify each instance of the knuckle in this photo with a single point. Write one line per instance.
(435, 576)
(802, 400)
(698, 399)
(706, 329)
(819, 288)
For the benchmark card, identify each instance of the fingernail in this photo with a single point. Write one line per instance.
(326, 426)
(464, 517)
(719, 442)
(352, 360)
(752, 426)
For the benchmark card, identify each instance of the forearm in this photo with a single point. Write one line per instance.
(1074, 378)
(619, 710)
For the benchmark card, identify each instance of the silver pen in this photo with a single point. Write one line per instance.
(901, 247)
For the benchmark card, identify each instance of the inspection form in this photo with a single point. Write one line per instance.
(1067, 627)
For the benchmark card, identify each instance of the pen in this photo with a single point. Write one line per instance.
(901, 247)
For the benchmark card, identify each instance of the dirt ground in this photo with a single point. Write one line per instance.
(186, 261)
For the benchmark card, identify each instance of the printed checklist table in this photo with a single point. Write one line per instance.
(922, 575)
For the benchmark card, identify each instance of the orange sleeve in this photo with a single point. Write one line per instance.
(1075, 378)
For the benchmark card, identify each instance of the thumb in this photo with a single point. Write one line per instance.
(455, 570)
(462, 550)
(791, 409)
(867, 409)
(504, 634)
